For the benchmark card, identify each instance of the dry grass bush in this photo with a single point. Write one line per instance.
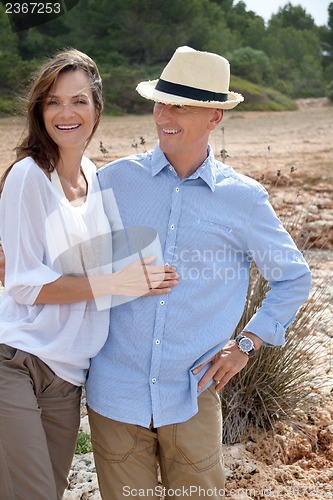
(281, 383)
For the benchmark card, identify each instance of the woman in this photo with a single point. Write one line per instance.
(54, 233)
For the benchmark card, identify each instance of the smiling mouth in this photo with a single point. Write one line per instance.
(170, 131)
(67, 127)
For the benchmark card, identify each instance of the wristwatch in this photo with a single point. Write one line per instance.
(245, 344)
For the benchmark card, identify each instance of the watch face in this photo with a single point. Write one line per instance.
(246, 344)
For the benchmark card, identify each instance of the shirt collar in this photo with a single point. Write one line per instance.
(159, 161)
(206, 171)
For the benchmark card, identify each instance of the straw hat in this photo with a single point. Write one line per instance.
(193, 78)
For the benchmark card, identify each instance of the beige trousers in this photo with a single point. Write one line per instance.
(189, 455)
(39, 421)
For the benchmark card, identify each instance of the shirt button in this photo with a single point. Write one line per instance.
(172, 226)
(162, 302)
(157, 341)
(177, 190)
(153, 380)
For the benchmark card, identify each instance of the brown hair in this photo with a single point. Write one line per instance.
(37, 143)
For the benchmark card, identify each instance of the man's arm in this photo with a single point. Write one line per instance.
(289, 280)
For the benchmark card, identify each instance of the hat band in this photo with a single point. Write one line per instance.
(189, 92)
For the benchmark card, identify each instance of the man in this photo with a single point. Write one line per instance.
(152, 389)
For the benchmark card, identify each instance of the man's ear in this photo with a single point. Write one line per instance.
(216, 118)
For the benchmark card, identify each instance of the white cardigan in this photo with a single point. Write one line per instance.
(45, 237)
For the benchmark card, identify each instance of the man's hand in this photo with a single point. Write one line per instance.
(2, 265)
(225, 364)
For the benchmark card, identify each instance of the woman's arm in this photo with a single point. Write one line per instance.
(31, 281)
(135, 280)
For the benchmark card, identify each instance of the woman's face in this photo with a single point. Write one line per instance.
(69, 112)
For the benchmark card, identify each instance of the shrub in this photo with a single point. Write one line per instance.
(251, 64)
(83, 444)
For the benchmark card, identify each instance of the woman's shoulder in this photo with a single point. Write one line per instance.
(25, 175)
(24, 167)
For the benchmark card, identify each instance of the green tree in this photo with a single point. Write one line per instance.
(291, 50)
(209, 30)
(8, 40)
(136, 37)
(142, 31)
(14, 71)
(308, 78)
(250, 27)
(326, 38)
(255, 33)
(292, 16)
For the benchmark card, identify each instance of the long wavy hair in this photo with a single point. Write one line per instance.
(37, 143)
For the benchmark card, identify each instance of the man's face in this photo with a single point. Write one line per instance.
(184, 129)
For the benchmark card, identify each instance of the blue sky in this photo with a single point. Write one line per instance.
(318, 9)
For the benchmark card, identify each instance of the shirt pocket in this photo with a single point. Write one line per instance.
(213, 225)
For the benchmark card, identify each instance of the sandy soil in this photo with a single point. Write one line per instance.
(291, 153)
(255, 141)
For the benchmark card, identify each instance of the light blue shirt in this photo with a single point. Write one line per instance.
(211, 225)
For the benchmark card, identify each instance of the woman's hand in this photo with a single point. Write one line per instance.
(141, 278)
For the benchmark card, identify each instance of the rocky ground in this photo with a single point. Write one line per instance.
(291, 153)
